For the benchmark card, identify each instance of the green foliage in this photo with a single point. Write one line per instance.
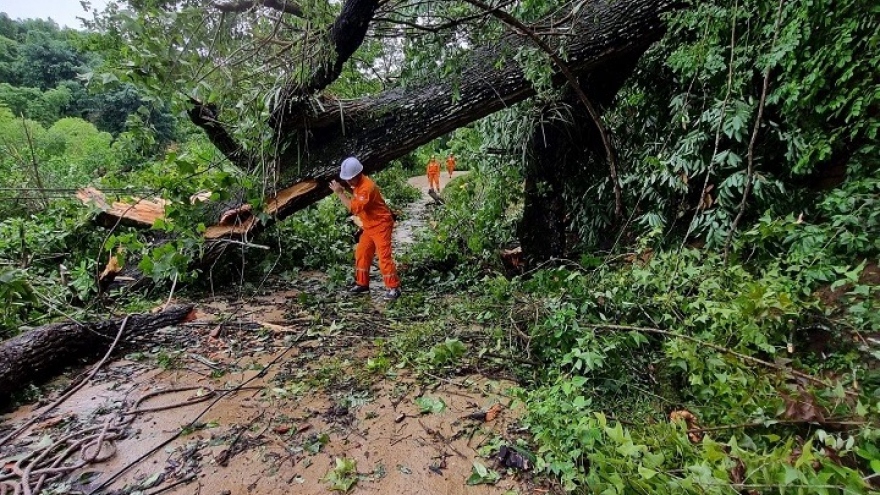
(598, 404)
(378, 365)
(433, 405)
(344, 476)
(750, 311)
(446, 353)
(45, 261)
(481, 475)
(687, 116)
(16, 295)
(319, 237)
(43, 75)
(464, 231)
(395, 190)
(70, 153)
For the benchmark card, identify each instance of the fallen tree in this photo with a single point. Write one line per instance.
(314, 132)
(44, 351)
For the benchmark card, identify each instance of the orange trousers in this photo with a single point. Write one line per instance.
(434, 181)
(371, 242)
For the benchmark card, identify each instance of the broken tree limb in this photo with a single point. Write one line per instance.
(70, 391)
(46, 350)
(138, 212)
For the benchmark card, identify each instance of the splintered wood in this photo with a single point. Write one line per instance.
(285, 196)
(240, 221)
(139, 211)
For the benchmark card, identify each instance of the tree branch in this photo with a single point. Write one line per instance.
(285, 6)
(344, 37)
(206, 116)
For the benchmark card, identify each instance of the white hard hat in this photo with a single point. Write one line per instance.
(351, 166)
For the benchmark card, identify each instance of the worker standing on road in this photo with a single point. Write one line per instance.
(367, 204)
(450, 164)
(434, 174)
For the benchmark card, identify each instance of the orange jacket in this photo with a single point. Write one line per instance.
(433, 167)
(368, 205)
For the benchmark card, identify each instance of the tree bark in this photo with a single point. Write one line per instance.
(560, 150)
(541, 230)
(384, 127)
(44, 351)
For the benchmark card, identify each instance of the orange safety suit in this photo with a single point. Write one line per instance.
(450, 165)
(378, 222)
(434, 174)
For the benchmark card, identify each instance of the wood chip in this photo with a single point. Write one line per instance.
(493, 412)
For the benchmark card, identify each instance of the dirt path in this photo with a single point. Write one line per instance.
(415, 212)
(317, 389)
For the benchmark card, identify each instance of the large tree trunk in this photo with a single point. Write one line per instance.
(44, 351)
(541, 230)
(565, 143)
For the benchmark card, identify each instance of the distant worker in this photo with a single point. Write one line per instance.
(367, 204)
(450, 164)
(434, 174)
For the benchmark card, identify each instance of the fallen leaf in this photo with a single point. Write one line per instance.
(707, 201)
(690, 422)
(738, 472)
(493, 412)
(802, 406)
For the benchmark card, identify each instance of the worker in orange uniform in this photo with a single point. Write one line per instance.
(434, 174)
(367, 204)
(450, 164)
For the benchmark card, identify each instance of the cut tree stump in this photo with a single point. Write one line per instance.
(47, 350)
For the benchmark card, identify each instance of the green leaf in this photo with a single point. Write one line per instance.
(481, 475)
(344, 476)
(647, 473)
(431, 405)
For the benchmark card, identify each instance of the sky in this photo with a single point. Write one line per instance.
(63, 12)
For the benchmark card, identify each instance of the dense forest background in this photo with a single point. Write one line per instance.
(730, 219)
